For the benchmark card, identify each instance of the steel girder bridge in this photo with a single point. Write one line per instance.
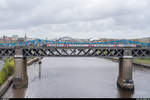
(75, 49)
(123, 49)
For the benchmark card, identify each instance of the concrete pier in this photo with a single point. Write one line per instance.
(20, 79)
(40, 67)
(125, 71)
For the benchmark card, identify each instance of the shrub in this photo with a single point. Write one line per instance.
(10, 68)
(7, 70)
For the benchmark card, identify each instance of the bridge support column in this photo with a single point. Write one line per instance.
(20, 79)
(40, 67)
(125, 71)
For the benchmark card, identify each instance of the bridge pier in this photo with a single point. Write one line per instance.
(125, 72)
(20, 79)
(40, 67)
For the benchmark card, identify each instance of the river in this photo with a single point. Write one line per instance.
(1, 64)
(80, 77)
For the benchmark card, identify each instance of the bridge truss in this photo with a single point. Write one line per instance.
(76, 52)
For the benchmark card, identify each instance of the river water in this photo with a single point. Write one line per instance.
(1, 64)
(68, 77)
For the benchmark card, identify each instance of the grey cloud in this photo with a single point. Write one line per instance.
(75, 16)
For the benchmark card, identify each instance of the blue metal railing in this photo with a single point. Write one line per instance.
(40, 42)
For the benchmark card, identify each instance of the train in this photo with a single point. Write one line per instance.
(50, 43)
(88, 44)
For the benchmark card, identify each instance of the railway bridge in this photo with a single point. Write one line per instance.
(124, 50)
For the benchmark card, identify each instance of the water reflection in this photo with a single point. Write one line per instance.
(80, 77)
(1, 64)
(125, 94)
(18, 93)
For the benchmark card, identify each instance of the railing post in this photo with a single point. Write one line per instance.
(20, 79)
(125, 71)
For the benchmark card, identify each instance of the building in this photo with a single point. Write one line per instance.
(15, 37)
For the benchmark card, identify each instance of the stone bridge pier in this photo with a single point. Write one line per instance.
(20, 79)
(20, 75)
(125, 71)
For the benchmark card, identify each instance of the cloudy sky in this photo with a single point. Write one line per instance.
(75, 18)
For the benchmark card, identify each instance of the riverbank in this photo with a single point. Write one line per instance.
(7, 82)
(7, 70)
(145, 62)
(6, 75)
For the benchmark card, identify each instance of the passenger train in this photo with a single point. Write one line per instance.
(49, 43)
(90, 44)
